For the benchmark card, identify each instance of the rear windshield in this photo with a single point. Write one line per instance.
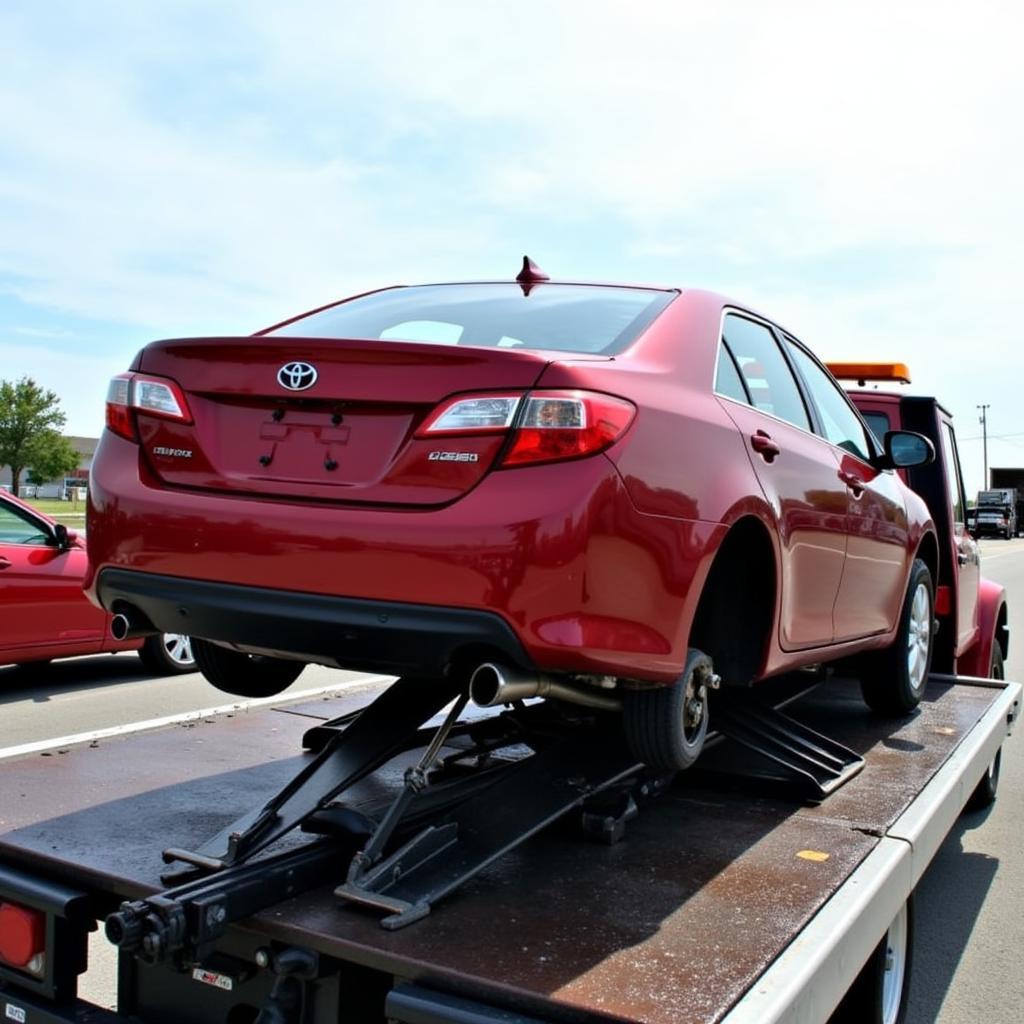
(564, 317)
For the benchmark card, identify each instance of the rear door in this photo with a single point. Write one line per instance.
(798, 473)
(41, 592)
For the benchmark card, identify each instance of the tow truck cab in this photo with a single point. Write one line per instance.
(973, 635)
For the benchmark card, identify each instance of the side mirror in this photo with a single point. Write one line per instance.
(63, 538)
(904, 448)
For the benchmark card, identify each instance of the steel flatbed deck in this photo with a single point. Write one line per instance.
(726, 901)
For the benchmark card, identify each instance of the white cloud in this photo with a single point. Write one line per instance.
(852, 169)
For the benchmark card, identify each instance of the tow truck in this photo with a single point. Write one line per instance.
(410, 858)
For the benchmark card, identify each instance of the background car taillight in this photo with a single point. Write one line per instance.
(135, 392)
(547, 426)
(23, 938)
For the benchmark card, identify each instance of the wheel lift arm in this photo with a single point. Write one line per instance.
(380, 731)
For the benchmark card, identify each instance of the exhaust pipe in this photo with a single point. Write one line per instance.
(492, 684)
(131, 625)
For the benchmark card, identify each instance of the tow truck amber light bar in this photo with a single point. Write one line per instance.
(135, 392)
(864, 372)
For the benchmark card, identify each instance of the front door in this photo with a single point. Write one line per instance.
(874, 578)
(41, 590)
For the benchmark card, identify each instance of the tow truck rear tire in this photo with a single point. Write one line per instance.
(666, 725)
(984, 794)
(893, 680)
(244, 675)
(879, 995)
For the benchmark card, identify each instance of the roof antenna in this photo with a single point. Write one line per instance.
(530, 275)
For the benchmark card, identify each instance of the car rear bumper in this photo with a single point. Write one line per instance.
(377, 636)
(552, 566)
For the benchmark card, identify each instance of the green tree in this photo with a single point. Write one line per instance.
(30, 419)
(50, 455)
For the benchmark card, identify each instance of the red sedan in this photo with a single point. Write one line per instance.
(45, 613)
(618, 496)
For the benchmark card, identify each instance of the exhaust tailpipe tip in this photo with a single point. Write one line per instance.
(130, 625)
(491, 685)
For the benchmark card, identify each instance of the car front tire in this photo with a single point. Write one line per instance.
(893, 680)
(244, 675)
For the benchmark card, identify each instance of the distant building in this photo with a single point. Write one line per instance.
(64, 487)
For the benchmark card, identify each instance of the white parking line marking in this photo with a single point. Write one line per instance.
(188, 716)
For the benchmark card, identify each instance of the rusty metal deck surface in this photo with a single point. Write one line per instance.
(673, 923)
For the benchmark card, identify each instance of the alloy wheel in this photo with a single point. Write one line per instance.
(919, 636)
(179, 649)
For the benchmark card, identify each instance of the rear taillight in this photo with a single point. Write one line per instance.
(23, 938)
(119, 414)
(547, 426)
(477, 414)
(559, 425)
(135, 392)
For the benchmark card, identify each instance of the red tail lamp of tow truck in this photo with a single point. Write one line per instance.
(44, 929)
(23, 938)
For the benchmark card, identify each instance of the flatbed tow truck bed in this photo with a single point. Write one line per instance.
(726, 900)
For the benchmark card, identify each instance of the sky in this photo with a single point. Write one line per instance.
(853, 170)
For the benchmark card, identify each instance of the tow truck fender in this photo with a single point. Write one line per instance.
(992, 628)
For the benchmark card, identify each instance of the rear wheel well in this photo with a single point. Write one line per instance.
(736, 610)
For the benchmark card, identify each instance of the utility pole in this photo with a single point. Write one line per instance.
(983, 420)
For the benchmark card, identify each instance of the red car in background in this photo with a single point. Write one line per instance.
(618, 496)
(45, 614)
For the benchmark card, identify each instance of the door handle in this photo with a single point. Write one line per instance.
(854, 482)
(5, 563)
(762, 443)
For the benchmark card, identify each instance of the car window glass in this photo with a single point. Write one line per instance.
(436, 332)
(765, 371)
(18, 529)
(727, 379)
(955, 484)
(841, 424)
(564, 317)
(879, 424)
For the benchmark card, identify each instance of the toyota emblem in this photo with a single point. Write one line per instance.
(296, 376)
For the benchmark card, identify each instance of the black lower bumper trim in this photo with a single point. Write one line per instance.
(362, 635)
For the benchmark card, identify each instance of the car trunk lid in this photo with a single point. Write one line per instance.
(347, 436)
